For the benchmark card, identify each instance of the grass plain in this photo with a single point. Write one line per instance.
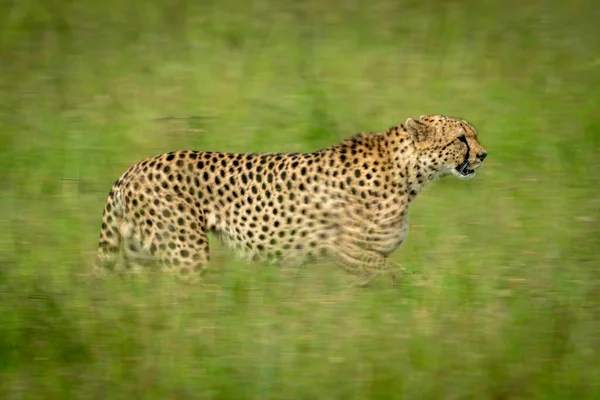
(509, 307)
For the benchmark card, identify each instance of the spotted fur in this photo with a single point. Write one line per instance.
(347, 202)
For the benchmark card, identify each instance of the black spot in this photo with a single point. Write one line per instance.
(170, 157)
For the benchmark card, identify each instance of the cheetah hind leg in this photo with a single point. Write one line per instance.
(188, 259)
(123, 256)
(108, 254)
(107, 259)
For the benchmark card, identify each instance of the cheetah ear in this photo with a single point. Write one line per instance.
(418, 130)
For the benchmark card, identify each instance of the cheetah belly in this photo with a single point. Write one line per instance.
(258, 240)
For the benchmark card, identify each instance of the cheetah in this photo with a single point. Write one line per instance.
(347, 202)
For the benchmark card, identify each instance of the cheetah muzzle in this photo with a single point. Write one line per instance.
(464, 170)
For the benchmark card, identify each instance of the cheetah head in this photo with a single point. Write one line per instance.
(446, 145)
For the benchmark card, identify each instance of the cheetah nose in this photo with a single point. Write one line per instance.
(482, 156)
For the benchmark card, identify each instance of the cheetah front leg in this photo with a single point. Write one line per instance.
(365, 264)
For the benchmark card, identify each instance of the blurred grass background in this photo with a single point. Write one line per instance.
(510, 304)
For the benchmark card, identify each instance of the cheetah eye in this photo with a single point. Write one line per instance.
(463, 139)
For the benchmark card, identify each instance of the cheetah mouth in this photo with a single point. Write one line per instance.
(464, 170)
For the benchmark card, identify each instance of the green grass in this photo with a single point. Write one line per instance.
(508, 307)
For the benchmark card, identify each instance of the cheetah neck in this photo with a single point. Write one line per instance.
(412, 171)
